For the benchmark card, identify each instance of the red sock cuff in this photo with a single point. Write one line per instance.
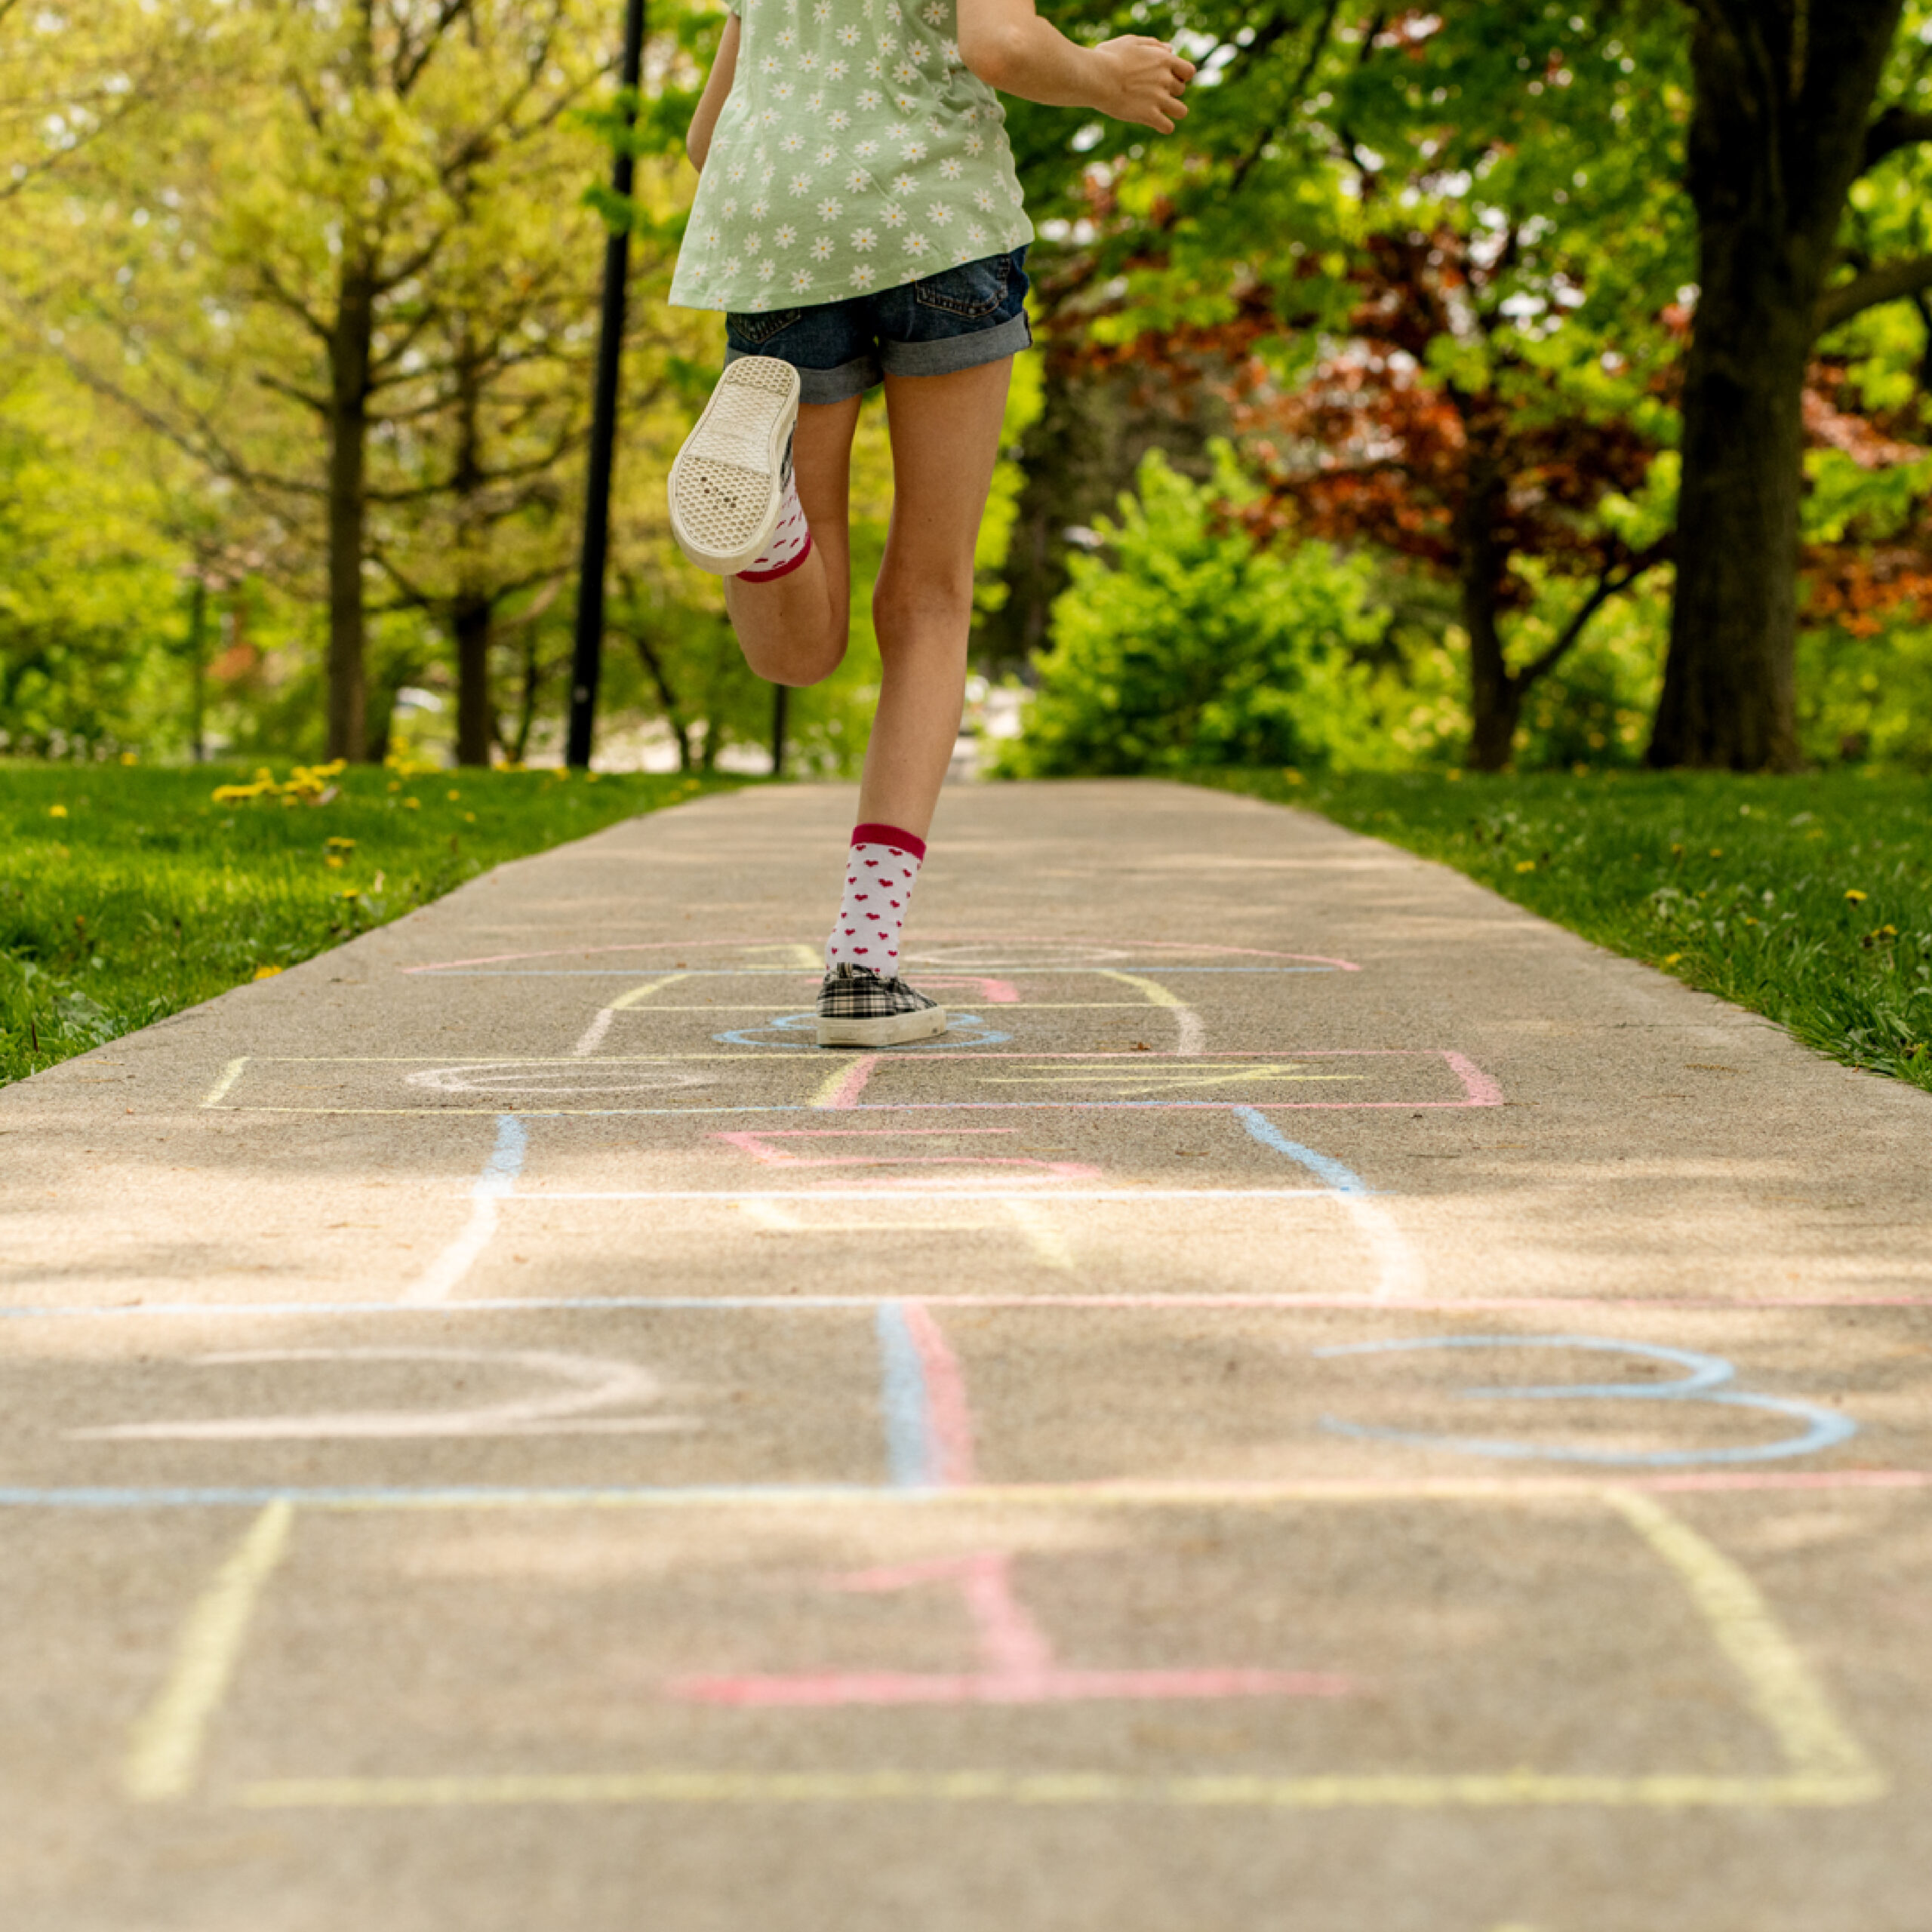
(784, 569)
(889, 834)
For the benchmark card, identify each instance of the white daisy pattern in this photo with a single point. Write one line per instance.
(855, 154)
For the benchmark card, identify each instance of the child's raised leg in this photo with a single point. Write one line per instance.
(792, 629)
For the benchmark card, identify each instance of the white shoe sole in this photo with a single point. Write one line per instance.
(727, 485)
(893, 1030)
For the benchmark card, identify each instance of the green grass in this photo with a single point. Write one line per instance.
(1808, 900)
(126, 895)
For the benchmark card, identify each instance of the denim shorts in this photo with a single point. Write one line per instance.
(954, 320)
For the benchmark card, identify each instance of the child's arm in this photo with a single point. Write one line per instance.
(1009, 47)
(717, 91)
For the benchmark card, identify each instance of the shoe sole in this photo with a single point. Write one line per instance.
(728, 484)
(893, 1030)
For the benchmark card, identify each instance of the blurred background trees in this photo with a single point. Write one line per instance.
(1527, 382)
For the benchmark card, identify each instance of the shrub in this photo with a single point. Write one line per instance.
(1182, 645)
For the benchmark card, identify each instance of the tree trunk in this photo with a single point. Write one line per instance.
(470, 615)
(1496, 698)
(198, 669)
(475, 722)
(349, 346)
(1785, 91)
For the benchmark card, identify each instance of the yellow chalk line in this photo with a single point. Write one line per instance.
(1668, 1791)
(643, 992)
(164, 1747)
(231, 1073)
(1778, 1684)
(1043, 1234)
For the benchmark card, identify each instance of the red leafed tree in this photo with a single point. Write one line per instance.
(1879, 568)
(1468, 476)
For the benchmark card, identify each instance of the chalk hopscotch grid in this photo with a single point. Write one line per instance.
(931, 1456)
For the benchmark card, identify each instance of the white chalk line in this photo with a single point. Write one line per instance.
(589, 1383)
(496, 1182)
(592, 1035)
(1191, 1028)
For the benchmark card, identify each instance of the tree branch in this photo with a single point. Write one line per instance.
(1889, 282)
(1896, 128)
(1612, 583)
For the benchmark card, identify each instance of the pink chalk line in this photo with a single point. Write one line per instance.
(1017, 1665)
(949, 1417)
(753, 1144)
(846, 1093)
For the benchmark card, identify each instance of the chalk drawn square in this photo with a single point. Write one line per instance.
(1196, 1655)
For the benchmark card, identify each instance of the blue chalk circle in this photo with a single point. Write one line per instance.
(1705, 1380)
(967, 1029)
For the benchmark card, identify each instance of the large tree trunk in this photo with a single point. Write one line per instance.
(1784, 89)
(1496, 698)
(350, 347)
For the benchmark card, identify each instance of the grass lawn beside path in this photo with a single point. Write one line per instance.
(1808, 900)
(127, 894)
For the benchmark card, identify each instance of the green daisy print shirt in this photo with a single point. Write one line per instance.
(855, 152)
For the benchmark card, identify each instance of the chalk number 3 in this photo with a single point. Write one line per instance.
(1706, 1379)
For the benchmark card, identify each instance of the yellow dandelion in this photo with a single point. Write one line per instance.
(1855, 897)
(1672, 958)
(332, 862)
(266, 972)
(453, 796)
(1526, 864)
(412, 804)
(56, 811)
(1717, 851)
(131, 757)
(340, 844)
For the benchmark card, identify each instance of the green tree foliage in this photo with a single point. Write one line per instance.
(1424, 256)
(1189, 648)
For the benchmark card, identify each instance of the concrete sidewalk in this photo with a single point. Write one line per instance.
(1323, 1402)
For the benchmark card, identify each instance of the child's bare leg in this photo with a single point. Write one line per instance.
(945, 433)
(792, 630)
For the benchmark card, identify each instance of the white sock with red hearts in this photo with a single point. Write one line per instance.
(880, 873)
(791, 543)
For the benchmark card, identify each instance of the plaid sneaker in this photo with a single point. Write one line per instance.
(857, 1008)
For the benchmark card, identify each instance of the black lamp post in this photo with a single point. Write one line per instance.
(587, 658)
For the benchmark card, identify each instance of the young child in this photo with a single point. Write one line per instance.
(858, 220)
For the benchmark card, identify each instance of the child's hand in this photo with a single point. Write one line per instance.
(1141, 80)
